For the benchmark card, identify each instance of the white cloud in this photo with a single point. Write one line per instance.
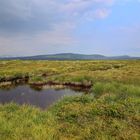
(80, 7)
(60, 36)
(34, 24)
(97, 14)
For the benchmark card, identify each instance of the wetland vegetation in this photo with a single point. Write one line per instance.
(110, 111)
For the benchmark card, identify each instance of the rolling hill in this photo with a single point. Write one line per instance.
(70, 56)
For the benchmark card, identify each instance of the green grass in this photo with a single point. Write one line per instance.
(70, 71)
(89, 118)
(25, 122)
(117, 89)
(78, 117)
(110, 112)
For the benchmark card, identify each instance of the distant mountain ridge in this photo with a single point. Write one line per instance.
(70, 56)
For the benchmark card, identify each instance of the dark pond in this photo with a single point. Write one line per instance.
(24, 94)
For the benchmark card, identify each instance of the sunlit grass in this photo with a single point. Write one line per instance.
(114, 88)
(120, 71)
(110, 112)
(77, 117)
(25, 122)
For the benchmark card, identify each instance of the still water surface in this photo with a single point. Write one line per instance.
(24, 94)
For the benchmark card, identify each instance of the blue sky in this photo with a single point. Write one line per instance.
(32, 27)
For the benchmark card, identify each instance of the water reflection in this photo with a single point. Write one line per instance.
(36, 96)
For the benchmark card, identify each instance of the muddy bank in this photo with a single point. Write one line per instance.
(26, 79)
(9, 81)
(64, 84)
(14, 79)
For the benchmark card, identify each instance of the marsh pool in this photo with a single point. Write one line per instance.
(24, 94)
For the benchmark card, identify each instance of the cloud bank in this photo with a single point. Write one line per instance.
(33, 26)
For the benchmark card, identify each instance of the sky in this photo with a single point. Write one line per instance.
(34, 27)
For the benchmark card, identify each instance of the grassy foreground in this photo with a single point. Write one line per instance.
(73, 118)
(110, 112)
